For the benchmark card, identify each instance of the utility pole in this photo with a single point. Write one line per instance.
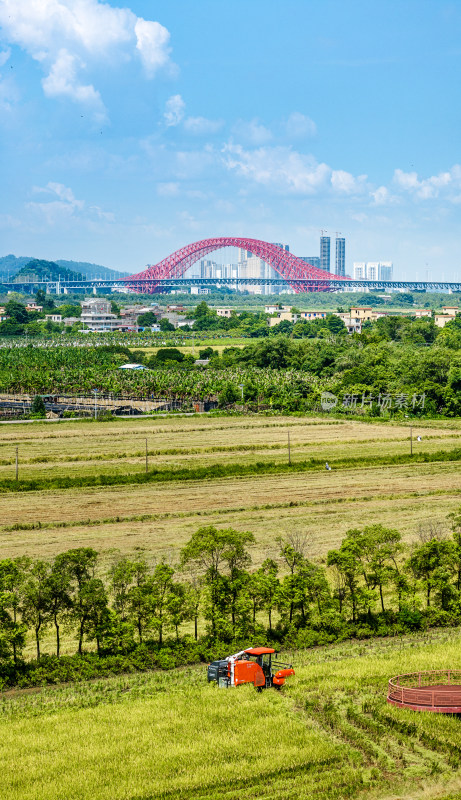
(411, 440)
(289, 450)
(17, 464)
(95, 405)
(147, 460)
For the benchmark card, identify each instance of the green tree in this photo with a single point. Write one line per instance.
(178, 606)
(80, 564)
(59, 588)
(335, 324)
(434, 563)
(381, 548)
(166, 325)
(269, 587)
(167, 354)
(13, 573)
(138, 597)
(43, 300)
(211, 550)
(160, 597)
(207, 352)
(16, 312)
(38, 406)
(292, 552)
(147, 319)
(228, 395)
(94, 615)
(121, 577)
(35, 609)
(347, 561)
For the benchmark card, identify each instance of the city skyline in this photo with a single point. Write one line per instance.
(127, 133)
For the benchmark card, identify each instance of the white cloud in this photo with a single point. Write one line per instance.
(59, 209)
(382, 196)
(202, 125)
(105, 216)
(284, 169)
(287, 170)
(69, 36)
(62, 81)
(252, 132)
(298, 126)
(63, 206)
(406, 180)
(63, 192)
(175, 114)
(152, 44)
(429, 188)
(345, 183)
(174, 110)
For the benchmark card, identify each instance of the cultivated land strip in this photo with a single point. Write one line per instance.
(162, 517)
(189, 448)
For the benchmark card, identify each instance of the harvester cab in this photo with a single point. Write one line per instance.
(254, 665)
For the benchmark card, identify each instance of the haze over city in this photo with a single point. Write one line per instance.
(128, 132)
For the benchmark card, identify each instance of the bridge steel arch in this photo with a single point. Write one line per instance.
(289, 267)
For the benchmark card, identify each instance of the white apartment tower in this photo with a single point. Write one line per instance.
(372, 271)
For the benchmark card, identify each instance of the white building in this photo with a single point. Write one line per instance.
(96, 316)
(199, 290)
(372, 271)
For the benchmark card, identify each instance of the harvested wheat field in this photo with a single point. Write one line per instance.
(161, 516)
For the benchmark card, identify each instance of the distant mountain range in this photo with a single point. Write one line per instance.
(22, 266)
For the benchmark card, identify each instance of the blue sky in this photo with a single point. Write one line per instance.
(130, 131)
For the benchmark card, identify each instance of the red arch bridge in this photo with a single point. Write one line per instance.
(295, 271)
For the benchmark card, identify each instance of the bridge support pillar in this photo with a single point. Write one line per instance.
(94, 289)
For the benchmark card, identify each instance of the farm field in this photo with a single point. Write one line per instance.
(86, 448)
(328, 734)
(161, 517)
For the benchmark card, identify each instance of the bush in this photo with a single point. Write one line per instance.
(38, 406)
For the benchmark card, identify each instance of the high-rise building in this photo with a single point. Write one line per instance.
(325, 253)
(314, 261)
(372, 271)
(206, 268)
(385, 270)
(340, 263)
(360, 271)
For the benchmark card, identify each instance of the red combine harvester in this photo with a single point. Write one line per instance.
(254, 665)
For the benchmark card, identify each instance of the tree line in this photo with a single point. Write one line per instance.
(371, 584)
